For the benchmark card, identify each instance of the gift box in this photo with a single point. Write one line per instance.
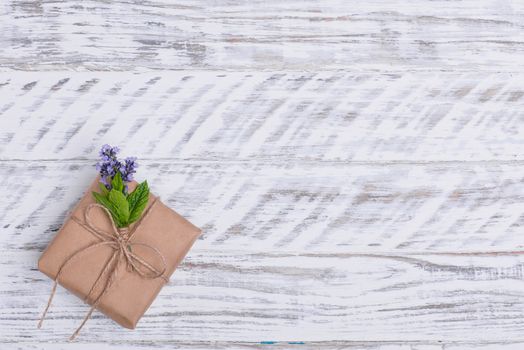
(117, 271)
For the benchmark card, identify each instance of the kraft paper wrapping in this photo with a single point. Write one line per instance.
(129, 296)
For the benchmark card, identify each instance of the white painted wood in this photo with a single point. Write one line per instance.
(235, 296)
(332, 34)
(286, 205)
(273, 345)
(304, 207)
(322, 116)
(356, 166)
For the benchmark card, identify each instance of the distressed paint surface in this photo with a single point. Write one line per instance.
(357, 167)
(276, 345)
(271, 117)
(276, 297)
(332, 34)
(304, 207)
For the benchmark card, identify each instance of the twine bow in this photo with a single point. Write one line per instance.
(120, 241)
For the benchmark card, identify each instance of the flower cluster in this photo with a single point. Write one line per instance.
(125, 207)
(128, 169)
(109, 165)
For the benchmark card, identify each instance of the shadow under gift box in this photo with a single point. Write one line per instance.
(130, 295)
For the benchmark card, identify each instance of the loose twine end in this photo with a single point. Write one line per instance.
(53, 290)
(73, 336)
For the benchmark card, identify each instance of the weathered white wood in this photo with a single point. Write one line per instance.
(332, 34)
(299, 207)
(235, 296)
(273, 345)
(355, 165)
(325, 116)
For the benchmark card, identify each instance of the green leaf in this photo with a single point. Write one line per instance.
(100, 199)
(120, 206)
(138, 201)
(103, 189)
(117, 182)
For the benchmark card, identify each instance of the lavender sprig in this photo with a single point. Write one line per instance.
(125, 208)
(128, 169)
(108, 164)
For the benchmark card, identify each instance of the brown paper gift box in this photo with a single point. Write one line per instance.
(129, 296)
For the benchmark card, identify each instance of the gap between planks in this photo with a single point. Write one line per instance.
(268, 160)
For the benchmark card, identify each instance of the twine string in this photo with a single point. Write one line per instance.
(120, 241)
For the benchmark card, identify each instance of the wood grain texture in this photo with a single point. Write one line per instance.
(333, 34)
(294, 207)
(275, 345)
(356, 166)
(304, 242)
(294, 297)
(273, 117)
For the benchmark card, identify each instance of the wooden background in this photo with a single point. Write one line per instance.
(356, 167)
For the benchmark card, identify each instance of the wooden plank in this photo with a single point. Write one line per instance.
(355, 166)
(273, 345)
(299, 207)
(333, 34)
(281, 297)
(325, 116)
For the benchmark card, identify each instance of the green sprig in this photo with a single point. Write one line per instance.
(124, 208)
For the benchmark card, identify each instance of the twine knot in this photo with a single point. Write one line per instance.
(120, 240)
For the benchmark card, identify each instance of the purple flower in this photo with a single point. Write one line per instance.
(108, 164)
(128, 169)
(108, 153)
